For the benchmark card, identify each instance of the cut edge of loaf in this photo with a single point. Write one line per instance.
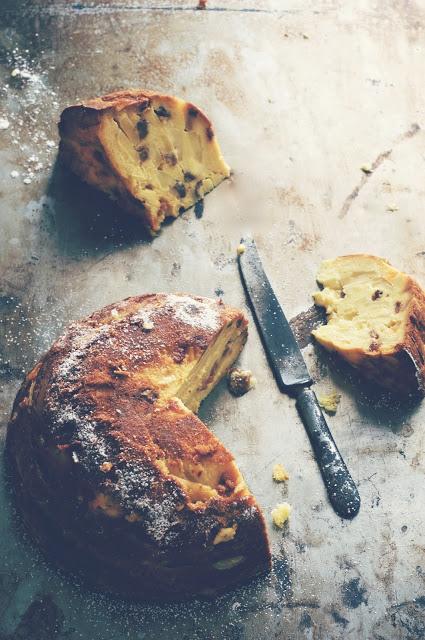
(389, 348)
(107, 142)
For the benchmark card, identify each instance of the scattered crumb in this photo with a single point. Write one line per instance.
(147, 325)
(14, 174)
(202, 4)
(329, 402)
(366, 168)
(21, 73)
(4, 123)
(27, 180)
(240, 249)
(306, 37)
(281, 513)
(114, 313)
(392, 207)
(225, 535)
(240, 381)
(106, 466)
(279, 473)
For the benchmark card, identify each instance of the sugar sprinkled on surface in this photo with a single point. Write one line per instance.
(196, 313)
(142, 316)
(202, 314)
(27, 121)
(84, 338)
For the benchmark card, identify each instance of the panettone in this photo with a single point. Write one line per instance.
(375, 320)
(155, 154)
(115, 475)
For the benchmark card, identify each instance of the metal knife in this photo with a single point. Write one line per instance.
(293, 378)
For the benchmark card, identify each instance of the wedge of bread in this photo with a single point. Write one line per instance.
(157, 155)
(376, 320)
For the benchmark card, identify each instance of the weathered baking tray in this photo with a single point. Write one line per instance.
(302, 94)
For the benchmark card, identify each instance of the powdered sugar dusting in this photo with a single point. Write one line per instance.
(143, 317)
(201, 314)
(85, 337)
(135, 484)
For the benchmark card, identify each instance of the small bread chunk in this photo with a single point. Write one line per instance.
(240, 381)
(329, 402)
(155, 154)
(376, 320)
(279, 473)
(281, 513)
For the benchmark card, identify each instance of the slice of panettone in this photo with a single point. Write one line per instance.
(376, 320)
(157, 155)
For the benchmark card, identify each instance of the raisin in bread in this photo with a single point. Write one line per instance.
(155, 154)
(376, 320)
(115, 474)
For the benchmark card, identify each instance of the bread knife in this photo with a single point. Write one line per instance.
(293, 378)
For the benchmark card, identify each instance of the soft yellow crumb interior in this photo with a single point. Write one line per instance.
(280, 474)
(330, 401)
(164, 164)
(281, 513)
(366, 302)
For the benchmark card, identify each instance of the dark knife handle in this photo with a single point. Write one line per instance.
(340, 486)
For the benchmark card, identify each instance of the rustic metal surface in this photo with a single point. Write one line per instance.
(302, 94)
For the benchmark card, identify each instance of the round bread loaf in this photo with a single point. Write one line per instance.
(115, 475)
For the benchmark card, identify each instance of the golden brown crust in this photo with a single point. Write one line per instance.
(86, 113)
(97, 442)
(120, 100)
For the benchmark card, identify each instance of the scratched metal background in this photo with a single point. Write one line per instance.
(302, 93)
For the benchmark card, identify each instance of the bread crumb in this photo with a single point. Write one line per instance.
(147, 325)
(240, 381)
(4, 124)
(225, 534)
(20, 73)
(392, 207)
(106, 466)
(366, 168)
(240, 249)
(279, 473)
(329, 402)
(281, 513)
